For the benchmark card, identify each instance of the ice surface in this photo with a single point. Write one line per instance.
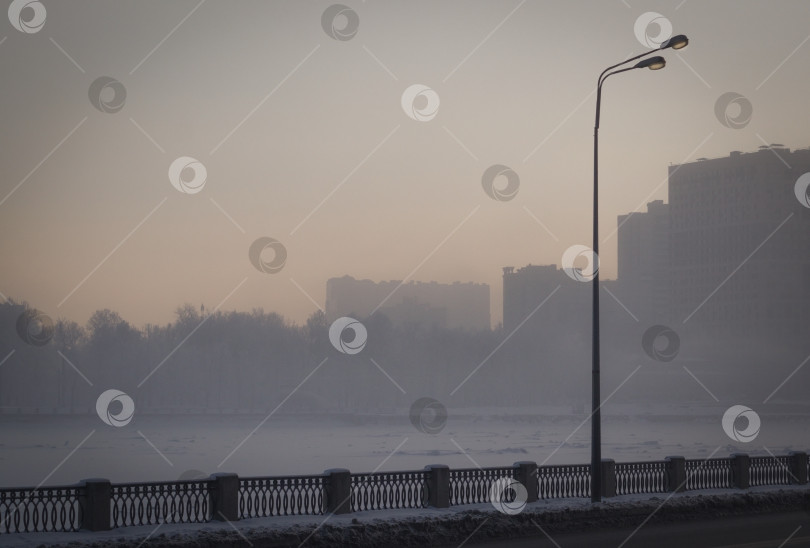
(32, 447)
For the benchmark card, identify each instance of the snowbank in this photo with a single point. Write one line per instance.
(434, 527)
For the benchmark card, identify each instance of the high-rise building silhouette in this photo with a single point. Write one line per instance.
(540, 293)
(727, 258)
(740, 244)
(644, 262)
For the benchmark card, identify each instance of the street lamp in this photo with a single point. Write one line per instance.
(653, 63)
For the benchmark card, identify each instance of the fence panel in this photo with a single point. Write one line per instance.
(472, 485)
(564, 481)
(641, 477)
(161, 502)
(43, 509)
(384, 490)
(770, 471)
(709, 474)
(280, 496)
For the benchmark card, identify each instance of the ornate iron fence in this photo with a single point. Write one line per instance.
(99, 505)
(49, 509)
(185, 501)
(385, 490)
(770, 471)
(472, 485)
(562, 481)
(709, 474)
(641, 477)
(281, 496)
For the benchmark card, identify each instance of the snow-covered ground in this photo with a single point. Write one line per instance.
(163, 447)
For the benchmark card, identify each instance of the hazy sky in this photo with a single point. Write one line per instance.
(305, 140)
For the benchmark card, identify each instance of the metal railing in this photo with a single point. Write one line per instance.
(472, 485)
(384, 490)
(281, 496)
(771, 471)
(709, 474)
(100, 505)
(184, 501)
(564, 481)
(641, 477)
(49, 509)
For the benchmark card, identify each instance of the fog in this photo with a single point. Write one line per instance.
(247, 392)
(182, 180)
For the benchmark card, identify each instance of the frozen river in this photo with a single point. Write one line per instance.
(63, 449)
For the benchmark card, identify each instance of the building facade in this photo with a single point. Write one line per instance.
(644, 262)
(562, 300)
(457, 305)
(740, 244)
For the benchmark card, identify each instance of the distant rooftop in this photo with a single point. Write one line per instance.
(348, 278)
(763, 148)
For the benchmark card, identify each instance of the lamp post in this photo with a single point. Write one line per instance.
(653, 63)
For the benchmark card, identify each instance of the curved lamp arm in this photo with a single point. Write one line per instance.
(653, 63)
(679, 41)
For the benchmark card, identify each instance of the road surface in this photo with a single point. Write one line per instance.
(784, 530)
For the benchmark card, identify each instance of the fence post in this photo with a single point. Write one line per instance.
(97, 504)
(338, 491)
(608, 478)
(225, 498)
(741, 470)
(526, 474)
(676, 474)
(798, 467)
(438, 485)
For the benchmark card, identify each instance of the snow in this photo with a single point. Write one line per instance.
(31, 447)
(165, 447)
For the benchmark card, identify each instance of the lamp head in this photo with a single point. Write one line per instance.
(676, 42)
(653, 63)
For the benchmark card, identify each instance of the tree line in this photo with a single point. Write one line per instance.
(224, 362)
(253, 361)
